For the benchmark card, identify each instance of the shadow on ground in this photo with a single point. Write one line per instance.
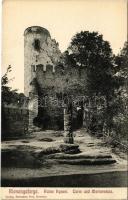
(109, 179)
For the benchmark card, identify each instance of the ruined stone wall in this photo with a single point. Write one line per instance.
(61, 81)
(42, 56)
(43, 64)
(39, 49)
(14, 121)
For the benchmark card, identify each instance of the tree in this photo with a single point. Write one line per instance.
(6, 90)
(121, 62)
(121, 119)
(8, 94)
(88, 50)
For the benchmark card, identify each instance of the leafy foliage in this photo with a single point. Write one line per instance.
(121, 119)
(8, 94)
(89, 50)
(107, 76)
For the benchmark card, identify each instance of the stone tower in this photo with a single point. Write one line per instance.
(35, 39)
(39, 50)
(40, 53)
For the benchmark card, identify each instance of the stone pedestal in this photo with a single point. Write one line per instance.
(70, 148)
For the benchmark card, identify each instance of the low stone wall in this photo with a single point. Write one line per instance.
(14, 121)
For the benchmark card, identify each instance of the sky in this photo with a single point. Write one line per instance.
(63, 19)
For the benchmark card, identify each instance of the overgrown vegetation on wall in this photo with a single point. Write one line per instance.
(14, 109)
(107, 77)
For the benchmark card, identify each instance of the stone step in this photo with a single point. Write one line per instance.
(99, 161)
(81, 156)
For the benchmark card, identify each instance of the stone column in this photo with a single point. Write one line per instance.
(84, 118)
(68, 132)
(33, 105)
(33, 111)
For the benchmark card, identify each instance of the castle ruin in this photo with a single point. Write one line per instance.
(45, 75)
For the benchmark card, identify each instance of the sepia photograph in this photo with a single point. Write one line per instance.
(64, 91)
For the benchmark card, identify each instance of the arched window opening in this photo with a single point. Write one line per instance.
(36, 45)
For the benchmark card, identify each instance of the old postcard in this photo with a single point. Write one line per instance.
(64, 100)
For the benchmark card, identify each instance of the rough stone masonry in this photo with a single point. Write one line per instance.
(45, 75)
